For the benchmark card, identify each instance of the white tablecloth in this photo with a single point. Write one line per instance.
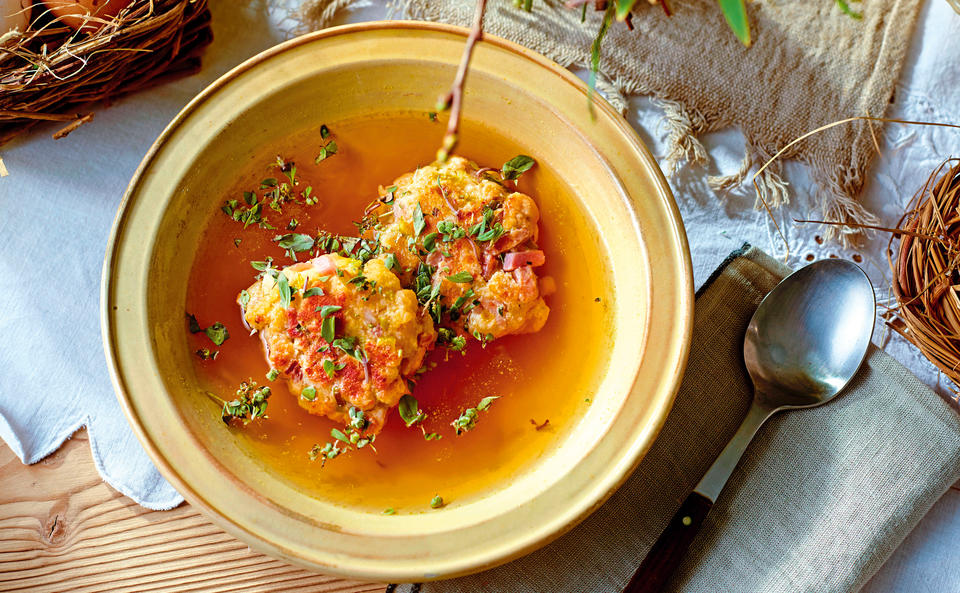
(58, 202)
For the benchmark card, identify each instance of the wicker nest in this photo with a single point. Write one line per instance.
(52, 71)
(926, 271)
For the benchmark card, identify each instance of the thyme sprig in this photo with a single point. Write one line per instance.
(217, 332)
(469, 417)
(352, 436)
(249, 404)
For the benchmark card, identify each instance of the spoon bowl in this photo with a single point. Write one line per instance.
(810, 334)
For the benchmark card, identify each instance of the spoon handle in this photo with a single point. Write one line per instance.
(671, 546)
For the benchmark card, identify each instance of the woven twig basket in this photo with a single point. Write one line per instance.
(926, 271)
(51, 71)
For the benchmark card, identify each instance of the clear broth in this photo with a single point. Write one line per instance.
(544, 380)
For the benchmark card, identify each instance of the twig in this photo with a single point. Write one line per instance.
(6, 113)
(62, 132)
(857, 225)
(453, 100)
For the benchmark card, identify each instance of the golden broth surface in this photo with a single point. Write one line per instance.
(544, 381)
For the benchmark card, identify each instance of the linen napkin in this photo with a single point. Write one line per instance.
(820, 499)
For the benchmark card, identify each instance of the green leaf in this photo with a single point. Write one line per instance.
(338, 434)
(735, 11)
(283, 287)
(389, 511)
(309, 393)
(845, 9)
(193, 324)
(326, 151)
(273, 374)
(436, 502)
(217, 333)
(327, 310)
(595, 55)
(419, 223)
(390, 262)
(461, 277)
(328, 328)
(624, 7)
(517, 166)
(409, 410)
(294, 242)
(315, 291)
(430, 241)
(328, 368)
(486, 402)
(324, 131)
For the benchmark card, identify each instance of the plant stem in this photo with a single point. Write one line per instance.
(453, 100)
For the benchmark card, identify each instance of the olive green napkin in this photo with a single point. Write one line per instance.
(821, 498)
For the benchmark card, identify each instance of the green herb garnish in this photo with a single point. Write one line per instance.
(217, 333)
(328, 328)
(486, 402)
(461, 277)
(309, 393)
(294, 242)
(419, 223)
(410, 411)
(517, 166)
(436, 502)
(430, 242)
(328, 368)
(206, 354)
(468, 419)
(450, 231)
(390, 262)
(327, 310)
(283, 287)
(273, 374)
(250, 403)
(326, 151)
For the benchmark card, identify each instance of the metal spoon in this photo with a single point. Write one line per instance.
(804, 343)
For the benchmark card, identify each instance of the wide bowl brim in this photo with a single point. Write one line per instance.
(619, 186)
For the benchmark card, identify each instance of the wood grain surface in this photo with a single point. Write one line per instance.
(63, 529)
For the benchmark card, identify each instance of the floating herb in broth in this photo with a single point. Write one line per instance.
(546, 374)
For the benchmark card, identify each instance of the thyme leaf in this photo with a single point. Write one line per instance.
(410, 411)
(517, 166)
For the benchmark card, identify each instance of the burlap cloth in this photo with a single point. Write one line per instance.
(809, 65)
(821, 498)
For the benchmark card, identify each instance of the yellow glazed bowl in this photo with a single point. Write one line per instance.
(345, 73)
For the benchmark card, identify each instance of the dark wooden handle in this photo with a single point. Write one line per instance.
(671, 546)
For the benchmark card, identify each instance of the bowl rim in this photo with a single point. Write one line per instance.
(573, 514)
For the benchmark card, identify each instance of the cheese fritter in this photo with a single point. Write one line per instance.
(468, 245)
(349, 336)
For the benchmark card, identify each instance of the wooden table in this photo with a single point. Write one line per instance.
(63, 529)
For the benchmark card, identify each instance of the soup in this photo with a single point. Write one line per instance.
(542, 381)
